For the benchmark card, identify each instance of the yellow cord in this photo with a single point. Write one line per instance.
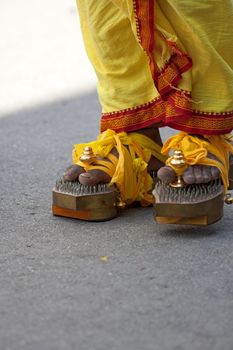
(196, 151)
(128, 171)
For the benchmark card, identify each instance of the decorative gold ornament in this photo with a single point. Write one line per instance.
(178, 160)
(88, 155)
(228, 198)
(179, 182)
(120, 204)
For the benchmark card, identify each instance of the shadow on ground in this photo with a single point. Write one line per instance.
(162, 287)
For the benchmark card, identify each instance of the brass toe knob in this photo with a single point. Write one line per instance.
(178, 160)
(88, 155)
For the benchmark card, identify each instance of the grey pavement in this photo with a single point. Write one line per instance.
(162, 287)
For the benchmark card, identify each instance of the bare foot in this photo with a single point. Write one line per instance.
(93, 177)
(72, 172)
(193, 175)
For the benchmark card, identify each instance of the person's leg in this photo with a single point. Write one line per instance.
(204, 29)
(139, 88)
(125, 86)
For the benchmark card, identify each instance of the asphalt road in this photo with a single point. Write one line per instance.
(161, 288)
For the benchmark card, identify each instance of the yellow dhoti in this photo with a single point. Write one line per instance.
(162, 61)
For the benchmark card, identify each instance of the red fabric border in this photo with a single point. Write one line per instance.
(171, 74)
(205, 123)
(177, 106)
(144, 15)
(174, 107)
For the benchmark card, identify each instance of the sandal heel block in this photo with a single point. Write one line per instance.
(89, 203)
(199, 204)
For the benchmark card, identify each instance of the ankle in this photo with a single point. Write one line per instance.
(152, 133)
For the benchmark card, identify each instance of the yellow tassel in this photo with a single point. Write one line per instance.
(129, 171)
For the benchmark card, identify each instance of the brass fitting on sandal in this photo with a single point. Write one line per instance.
(228, 198)
(178, 160)
(88, 155)
(120, 204)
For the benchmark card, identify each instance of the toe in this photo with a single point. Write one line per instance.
(94, 177)
(214, 172)
(72, 172)
(198, 173)
(188, 176)
(206, 173)
(166, 174)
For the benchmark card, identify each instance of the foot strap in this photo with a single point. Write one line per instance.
(128, 171)
(196, 150)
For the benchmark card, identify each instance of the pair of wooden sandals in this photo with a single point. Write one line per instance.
(176, 203)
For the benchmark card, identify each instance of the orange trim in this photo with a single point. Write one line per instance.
(157, 110)
(170, 75)
(70, 213)
(178, 63)
(133, 118)
(130, 109)
(144, 17)
(171, 106)
(174, 107)
(135, 7)
(175, 112)
(180, 101)
(208, 123)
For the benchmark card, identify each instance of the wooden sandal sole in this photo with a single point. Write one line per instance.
(190, 205)
(89, 203)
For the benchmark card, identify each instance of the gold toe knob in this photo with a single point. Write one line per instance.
(88, 155)
(178, 160)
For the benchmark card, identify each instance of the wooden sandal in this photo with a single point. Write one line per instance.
(130, 181)
(197, 204)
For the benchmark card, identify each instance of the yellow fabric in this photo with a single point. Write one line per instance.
(196, 151)
(121, 65)
(201, 28)
(204, 29)
(129, 170)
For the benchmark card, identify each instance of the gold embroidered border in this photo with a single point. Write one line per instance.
(129, 118)
(200, 122)
(171, 73)
(176, 112)
(150, 113)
